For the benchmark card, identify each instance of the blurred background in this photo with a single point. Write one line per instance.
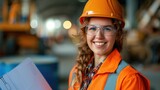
(44, 29)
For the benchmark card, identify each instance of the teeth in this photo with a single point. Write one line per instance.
(99, 43)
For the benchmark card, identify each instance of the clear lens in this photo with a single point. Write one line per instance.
(106, 29)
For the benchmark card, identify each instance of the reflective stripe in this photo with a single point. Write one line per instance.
(112, 78)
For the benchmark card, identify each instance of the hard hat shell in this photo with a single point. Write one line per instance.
(103, 8)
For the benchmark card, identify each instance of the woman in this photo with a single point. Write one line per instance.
(99, 63)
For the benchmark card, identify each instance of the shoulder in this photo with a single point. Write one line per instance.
(73, 69)
(72, 84)
(72, 74)
(129, 70)
(130, 78)
(129, 73)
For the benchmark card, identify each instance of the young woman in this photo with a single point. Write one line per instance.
(99, 63)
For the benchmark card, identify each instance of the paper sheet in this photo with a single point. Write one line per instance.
(25, 76)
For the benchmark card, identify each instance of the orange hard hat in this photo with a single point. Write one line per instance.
(103, 8)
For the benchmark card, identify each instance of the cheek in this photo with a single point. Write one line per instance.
(89, 39)
(112, 40)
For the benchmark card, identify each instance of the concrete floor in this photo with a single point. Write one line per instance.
(66, 53)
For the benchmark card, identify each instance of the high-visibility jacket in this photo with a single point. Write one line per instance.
(128, 78)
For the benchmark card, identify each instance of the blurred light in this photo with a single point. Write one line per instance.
(50, 25)
(57, 23)
(34, 24)
(67, 24)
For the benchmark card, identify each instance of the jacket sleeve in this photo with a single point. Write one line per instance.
(135, 82)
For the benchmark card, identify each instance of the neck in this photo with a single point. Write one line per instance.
(98, 59)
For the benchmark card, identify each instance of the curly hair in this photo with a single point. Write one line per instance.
(85, 53)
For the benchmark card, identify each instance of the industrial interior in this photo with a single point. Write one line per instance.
(43, 30)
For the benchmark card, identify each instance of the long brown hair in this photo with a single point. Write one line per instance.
(85, 53)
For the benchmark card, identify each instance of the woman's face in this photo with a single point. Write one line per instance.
(103, 39)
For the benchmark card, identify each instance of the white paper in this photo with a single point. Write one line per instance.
(25, 76)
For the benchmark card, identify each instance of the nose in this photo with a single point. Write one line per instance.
(99, 32)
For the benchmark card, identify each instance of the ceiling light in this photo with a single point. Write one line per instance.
(67, 24)
(50, 25)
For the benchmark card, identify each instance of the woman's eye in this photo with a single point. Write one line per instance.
(107, 28)
(92, 28)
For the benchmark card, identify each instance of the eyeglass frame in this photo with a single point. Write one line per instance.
(100, 27)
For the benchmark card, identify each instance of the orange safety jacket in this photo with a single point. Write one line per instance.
(128, 78)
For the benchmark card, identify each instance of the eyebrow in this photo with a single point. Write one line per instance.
(100, 25)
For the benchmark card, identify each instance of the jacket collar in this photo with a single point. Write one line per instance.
(111, 63)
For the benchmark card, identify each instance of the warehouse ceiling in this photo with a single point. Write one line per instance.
(68, 8)
(65, 8)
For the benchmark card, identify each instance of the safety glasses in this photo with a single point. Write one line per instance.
(106, 29)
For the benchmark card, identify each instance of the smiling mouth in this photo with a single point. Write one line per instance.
(99, 43)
